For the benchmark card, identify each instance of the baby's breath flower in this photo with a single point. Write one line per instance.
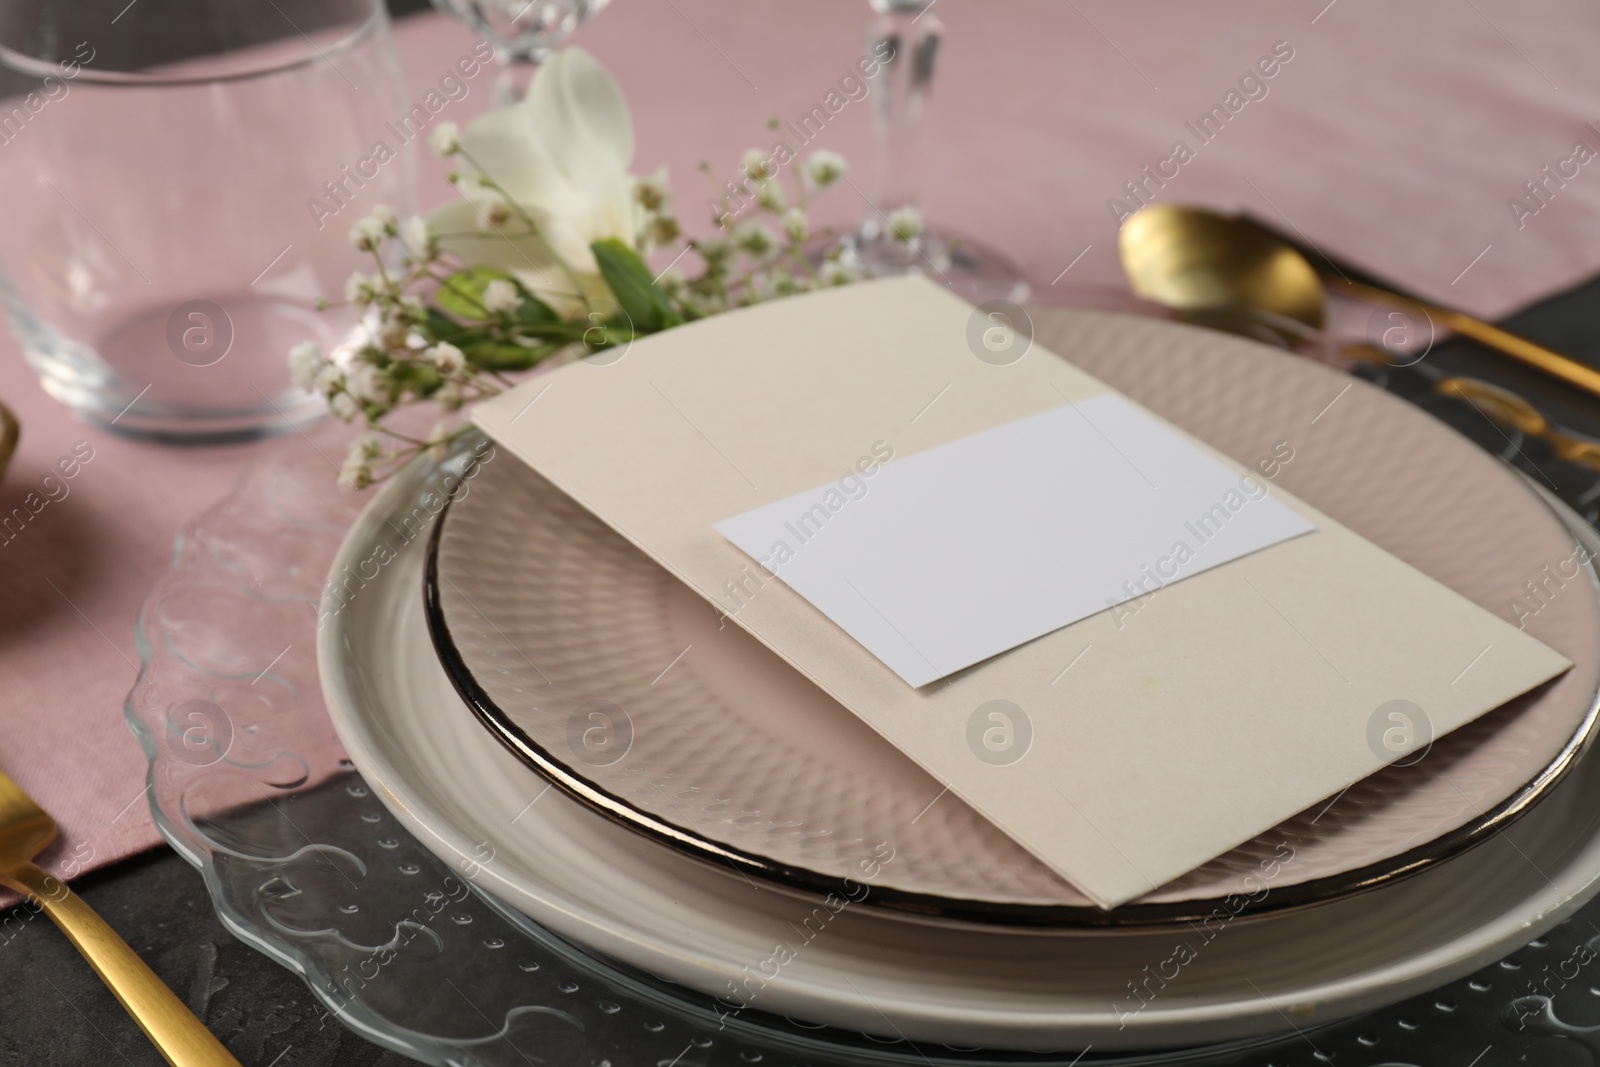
(305, 360)
(769, 195)
(355, 474)
(366, 234)
(328, 381)
(448, 358)
(756, 164)
(905, 224)
(663, 230)
(343, 406)
(671, 281)
(838, 272)
(367, 445)
(715, 251)
(796, 225)
(445, 140)
(652, 191)
(450, 396)
(500, 295)
(369, 385)
(358, 288)
(416, 236)
(823, 168)
(755, 238)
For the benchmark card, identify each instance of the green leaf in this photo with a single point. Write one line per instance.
(613, 333)
(498, 356)
(533, 310)
(462, 292)
(442, 327)
(624, 270)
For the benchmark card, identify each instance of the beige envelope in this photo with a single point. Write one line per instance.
(1230, 701)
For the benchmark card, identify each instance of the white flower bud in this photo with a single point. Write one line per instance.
(445, 140)
(447, 358)
(796, 225)
(905, 224)
(757, 164)
(755, 238)
(823, 168)
(500, 296)
(769, 194)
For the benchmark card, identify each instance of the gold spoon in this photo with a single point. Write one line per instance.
(25, 829)
(1194, 260)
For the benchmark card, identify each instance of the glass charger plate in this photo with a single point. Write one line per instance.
(304, 864)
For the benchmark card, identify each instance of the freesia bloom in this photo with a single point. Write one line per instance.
(561, 156)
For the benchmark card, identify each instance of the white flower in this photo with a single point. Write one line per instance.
(653, 191)
(358, 288)
(444, 140)
(355, 474)
(328, 381)
(368, 384)
(905, 223)
(755, 238)
(369, 231)
(449, 396)
(500, 295)
(757, 164)
(366, 446)
(714, 250)
(447, 357)
(769, 194)
(837, 272)
(305, 360)
(823, 168)
(344, 406)
(561, 155)
(416, 236)
(796, 225)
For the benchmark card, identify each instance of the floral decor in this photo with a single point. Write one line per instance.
(543, 256)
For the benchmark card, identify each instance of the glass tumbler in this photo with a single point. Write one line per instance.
(182, 176)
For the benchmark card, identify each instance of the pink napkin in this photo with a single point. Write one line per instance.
(1399, 136)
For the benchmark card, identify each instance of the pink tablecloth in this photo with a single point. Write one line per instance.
(1399, 136)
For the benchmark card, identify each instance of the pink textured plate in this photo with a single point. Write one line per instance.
(624, 688)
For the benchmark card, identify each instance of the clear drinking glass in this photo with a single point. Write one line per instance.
(910, 34)
(182, 175)
(523, 32)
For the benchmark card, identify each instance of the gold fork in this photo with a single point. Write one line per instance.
(25, 830)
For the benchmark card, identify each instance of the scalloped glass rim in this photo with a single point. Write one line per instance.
(257, 547)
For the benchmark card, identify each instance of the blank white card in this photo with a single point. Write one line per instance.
(939, 560)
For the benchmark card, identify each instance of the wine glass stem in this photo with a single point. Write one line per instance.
(905, 37)
(516, 71)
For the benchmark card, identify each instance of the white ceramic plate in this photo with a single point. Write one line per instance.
(466, 797)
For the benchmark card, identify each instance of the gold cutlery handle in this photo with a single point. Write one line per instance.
(1519, 348)
(167, 1021)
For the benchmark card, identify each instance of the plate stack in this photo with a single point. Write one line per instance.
(597, 746)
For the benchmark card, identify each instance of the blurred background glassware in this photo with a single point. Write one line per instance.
(523, 32)
(909, 33)
(190, 170)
